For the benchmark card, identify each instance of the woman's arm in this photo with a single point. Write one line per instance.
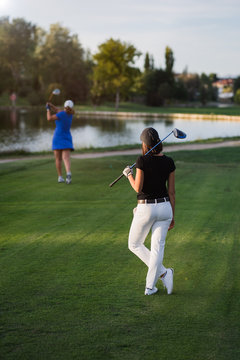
(171, 193)
(137, 183)
(51, 117)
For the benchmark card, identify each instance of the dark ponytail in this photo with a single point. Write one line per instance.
(69, 110)
(156, 150)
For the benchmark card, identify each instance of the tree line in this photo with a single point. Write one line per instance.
(33, 62)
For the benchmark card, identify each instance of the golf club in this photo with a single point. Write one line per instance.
(176, 132)
(54, 92)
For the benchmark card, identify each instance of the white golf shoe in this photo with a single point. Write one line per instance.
(151, 291)
(68, 179)
(61, 179)
(168, 280)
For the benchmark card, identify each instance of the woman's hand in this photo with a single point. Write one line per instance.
(171, 226)
(127, 171)
(52, 107)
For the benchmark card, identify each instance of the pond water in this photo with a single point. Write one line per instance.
(30, 131)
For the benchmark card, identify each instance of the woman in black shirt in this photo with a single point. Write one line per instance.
(155, 186)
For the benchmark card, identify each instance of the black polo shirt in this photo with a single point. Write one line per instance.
(156, 173)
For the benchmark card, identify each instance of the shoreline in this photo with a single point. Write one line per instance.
(139, 114)
(171, 116)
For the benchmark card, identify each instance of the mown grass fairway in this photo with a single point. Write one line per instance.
(70, 288)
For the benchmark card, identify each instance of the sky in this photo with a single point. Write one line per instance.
(203, 34)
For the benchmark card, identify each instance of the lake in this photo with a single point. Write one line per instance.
(30, 131)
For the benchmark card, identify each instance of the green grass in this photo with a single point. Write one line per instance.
(192, 108)
(5, 101)
(70, 288)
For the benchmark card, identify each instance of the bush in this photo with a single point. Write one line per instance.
(237, 97)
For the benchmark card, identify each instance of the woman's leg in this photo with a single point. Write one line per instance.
(58, 161)
(66, 160)
(156, 268)
(139, 230)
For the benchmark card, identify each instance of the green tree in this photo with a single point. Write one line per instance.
(61, 60)
(236, 84)
(113, 72)
(192, 84)
(169, 60)
(213, 77)
(237, 97)
(159, 85)
(156, 87)
(148, 62)
(6, 83)
(207, 91)
(180, 91)
(17, 46)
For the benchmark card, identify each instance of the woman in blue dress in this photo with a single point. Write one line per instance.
(62, 139)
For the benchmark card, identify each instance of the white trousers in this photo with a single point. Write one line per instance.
(156, 217)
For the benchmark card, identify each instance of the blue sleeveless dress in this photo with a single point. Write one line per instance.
(62, 138)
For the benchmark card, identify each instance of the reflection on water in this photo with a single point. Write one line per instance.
(30, 131)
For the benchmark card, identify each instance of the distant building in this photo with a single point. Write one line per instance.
(225, 89)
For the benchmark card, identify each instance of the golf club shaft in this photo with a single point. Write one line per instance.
(132, 166)
(50, 97)
(54, 92)
(116, 180)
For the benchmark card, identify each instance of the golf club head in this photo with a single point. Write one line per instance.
(56, 92)
(179, 134)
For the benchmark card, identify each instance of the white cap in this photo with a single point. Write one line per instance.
(68, 103)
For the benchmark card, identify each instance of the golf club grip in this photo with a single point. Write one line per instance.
(116, 180)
